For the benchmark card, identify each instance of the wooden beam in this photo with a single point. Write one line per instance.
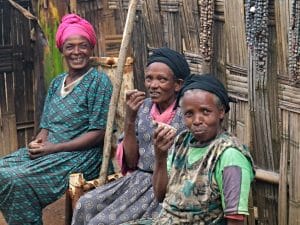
(267, 176)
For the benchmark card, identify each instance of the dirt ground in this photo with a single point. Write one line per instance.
(53, 214)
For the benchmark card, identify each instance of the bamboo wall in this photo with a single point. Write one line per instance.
(267, 113)
(17, 87)
(266, 116)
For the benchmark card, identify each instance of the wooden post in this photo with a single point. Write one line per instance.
(76, 187)
(269, 177)
(73, 6)
(116, 92)
(282, 18)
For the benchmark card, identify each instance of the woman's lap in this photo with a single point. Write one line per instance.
(33, 184)
(128, 198)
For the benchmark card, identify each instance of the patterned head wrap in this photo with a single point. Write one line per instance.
(73, 24)
(206, 82)
(173, 59)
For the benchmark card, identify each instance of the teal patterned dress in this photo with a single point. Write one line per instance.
(27, 186)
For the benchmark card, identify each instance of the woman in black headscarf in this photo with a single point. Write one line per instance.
(132, 197)
(206, 177)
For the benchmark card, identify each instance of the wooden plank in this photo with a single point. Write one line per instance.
(267, 176)
(235, 32)
(263, 95)
(282, 25)
(172, 32)
(8, 134)
(153, 23)
(2, 21)
(293, 139)
(262, 101)
(5, 58)
(190, 26)
(7, 25)
(140, 49)
(219, 56)
(238, 120)
(283, 171)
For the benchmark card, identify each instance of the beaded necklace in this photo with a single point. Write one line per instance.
(206, 20)
(294, 42)
(257, 32)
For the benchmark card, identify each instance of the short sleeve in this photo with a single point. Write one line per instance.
(98, 103)
(234, 175)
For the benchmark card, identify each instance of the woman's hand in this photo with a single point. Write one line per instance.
(164, 136)
(37, 143)
(134, 99)
(39, 139)
(93, 138)
(43, 149)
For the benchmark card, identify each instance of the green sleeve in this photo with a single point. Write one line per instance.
(234, 174)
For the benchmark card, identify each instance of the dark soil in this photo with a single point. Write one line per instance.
(53, 214)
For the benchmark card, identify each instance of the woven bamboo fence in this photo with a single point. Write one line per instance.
(20, 80)
(253, 50)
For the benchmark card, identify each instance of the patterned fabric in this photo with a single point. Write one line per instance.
(29, 185)
(131, 196)
(233, 174)
(193, 195)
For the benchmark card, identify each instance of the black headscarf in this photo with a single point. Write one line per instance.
(206, 82)
(173, 59)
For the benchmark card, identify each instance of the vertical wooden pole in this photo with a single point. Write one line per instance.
(116, 92)
(282, 25)
(73, 6)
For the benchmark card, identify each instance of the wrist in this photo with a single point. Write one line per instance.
(160, 155)
(160, 161)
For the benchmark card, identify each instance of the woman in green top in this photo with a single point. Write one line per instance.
(205, 178)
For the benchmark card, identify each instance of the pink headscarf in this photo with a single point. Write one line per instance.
(73, 24)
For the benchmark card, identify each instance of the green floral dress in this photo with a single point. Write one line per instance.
(27, 186)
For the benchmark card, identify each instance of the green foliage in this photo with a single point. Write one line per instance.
(53, 61)
(53, 64)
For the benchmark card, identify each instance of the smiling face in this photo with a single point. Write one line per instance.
(77, 51)
(202, 114)
(161, 84)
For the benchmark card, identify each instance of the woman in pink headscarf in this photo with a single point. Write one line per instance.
(71, 135)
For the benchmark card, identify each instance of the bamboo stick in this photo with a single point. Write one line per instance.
(73, 6)
(76, 187)
(116, 92)
(283, 182)
(267, 176)
(24, 11)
